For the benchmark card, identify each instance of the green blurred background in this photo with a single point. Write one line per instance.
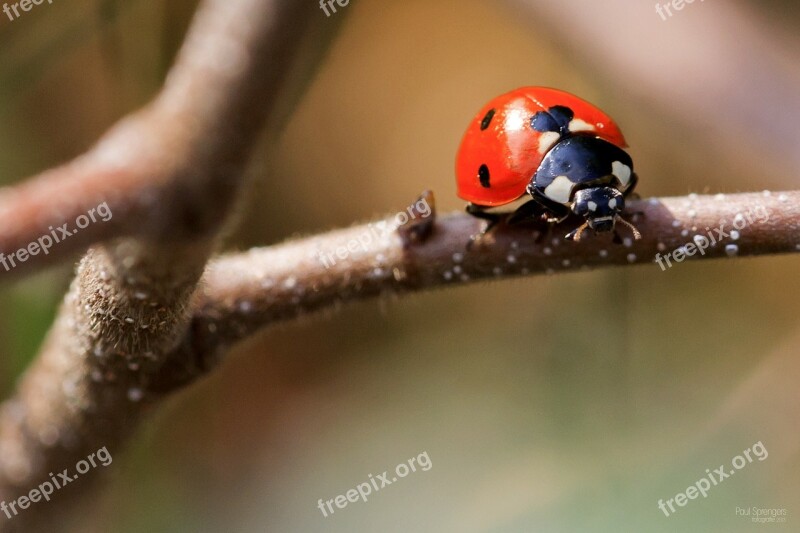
(562, 403)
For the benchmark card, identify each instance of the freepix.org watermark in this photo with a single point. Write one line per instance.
(362, 490)
(43, 244)
(700, 243)
(43, 492)
(375, 232)
(24, 5)
(667, 7)
(714, 478)
(326, 5)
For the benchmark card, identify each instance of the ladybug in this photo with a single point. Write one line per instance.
(562, 151)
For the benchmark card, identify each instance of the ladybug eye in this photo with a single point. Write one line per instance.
(487, 119)
(483, 176)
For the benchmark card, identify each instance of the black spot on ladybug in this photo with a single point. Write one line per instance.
(487, 119)
(562, 114)
(483, 176)
(542, 121)
(556, 119)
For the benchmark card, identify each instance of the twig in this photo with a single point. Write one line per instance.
(171, 171)
(170, 174)
(243, 293)
(246, 292)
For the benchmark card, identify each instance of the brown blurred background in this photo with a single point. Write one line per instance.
(564, 403)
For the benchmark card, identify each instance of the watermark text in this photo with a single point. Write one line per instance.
(667, 7)
(713, 478)
(43, 492)
(329, 6)
(362, 490)
(43, 244)
(24, 5)
(714, 236)
(376, 232)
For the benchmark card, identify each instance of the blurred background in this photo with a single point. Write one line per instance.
(565, 403)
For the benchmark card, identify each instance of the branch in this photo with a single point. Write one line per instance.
(243, 293)
(83, 397)
(171, 171)
(170, 174)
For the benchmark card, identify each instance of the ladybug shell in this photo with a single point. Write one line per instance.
(501, 149)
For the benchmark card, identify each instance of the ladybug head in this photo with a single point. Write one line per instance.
(600, 206)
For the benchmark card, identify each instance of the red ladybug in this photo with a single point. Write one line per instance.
(559, 149)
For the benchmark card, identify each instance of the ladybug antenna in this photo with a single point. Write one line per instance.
(575, 235)
(636, 234)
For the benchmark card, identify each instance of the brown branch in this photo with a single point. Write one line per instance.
(170, 175)
(77, 396)
(171, 171)
(240, 294)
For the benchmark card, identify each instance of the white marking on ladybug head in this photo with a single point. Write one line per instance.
(547, 140)
(612, 203)
(560, 190)
(592, 206)
(576, 125)
(622, 172)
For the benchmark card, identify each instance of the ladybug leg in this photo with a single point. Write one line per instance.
(527, 212)
(532, 211)
(479, 211)
(633, 196)
(631, 186)
(554, 211)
